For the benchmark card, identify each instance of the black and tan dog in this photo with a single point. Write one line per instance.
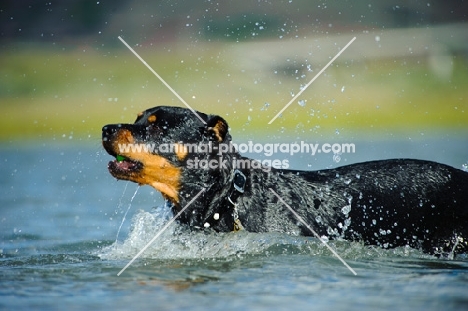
(388, 203)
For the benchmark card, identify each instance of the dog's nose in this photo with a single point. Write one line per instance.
(108, 135)
(109, 130)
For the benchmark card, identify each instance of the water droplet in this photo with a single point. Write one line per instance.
(265, 107)
(302, 102)
(346, 209)
(465, 167)
(347, 222)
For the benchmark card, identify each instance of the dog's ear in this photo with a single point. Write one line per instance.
(216, 128)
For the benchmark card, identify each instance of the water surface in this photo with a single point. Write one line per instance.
(60, 212)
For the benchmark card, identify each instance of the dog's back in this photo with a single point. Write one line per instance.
(405, 202)
(388, 203)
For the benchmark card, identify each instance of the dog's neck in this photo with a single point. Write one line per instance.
(227, 208)
(216, 208)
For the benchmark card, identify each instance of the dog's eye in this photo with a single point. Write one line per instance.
(154, 129)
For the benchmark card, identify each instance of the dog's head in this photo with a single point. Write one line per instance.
(153, 150)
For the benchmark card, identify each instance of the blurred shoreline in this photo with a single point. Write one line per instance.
(390, 81)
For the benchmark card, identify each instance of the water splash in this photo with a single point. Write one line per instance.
(180, 242)
(128, 209)
(121, 197)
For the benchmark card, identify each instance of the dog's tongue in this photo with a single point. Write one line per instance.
(123, 163)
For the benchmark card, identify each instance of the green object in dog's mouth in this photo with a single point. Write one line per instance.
(124, 165)
(120, 158)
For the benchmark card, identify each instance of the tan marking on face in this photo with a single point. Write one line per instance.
(140, 114)
(152, 118)
(123, 137)
(181, 151)
(157, 171)
(217, 128)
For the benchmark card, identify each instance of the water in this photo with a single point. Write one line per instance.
(60, 213)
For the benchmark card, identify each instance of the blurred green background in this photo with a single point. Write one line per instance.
(64, 73)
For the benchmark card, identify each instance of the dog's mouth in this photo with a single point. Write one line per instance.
(123, 167)
(140, 166)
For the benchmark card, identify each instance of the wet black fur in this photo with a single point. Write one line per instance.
(388, 203)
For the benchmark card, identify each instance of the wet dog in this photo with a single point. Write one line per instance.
(390, 203)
